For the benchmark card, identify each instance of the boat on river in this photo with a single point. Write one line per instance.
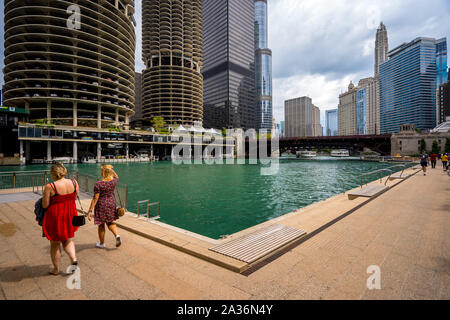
(342, 153)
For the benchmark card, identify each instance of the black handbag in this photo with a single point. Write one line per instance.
(78, 221)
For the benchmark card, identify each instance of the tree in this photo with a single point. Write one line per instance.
(435, 148)
(423, 146)
(447, 145)
(158, 123)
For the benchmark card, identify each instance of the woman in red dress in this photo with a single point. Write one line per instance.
(105, 206)
(59, 200)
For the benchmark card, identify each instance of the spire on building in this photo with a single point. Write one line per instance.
(381, 48)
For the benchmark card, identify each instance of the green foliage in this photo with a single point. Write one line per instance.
(423, 146)
(158, 123)
(447, 145)
(435, 148)
(114, 129)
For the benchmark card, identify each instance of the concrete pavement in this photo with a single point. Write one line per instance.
(404, 232)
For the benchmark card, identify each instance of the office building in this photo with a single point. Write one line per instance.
(367, 108)
(172, 52)
(408, 86)
(263, 67)
(331, 119)
(347, 112)
(317, 130)
(302, 118)
(229, 64)
(137, 120)
(443, 110)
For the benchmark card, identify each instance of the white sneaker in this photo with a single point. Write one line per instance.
(101, 246)
(118, 241)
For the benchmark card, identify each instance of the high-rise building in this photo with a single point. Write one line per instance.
(381, 48)
(347, 112)
(229, 63)
(317, 130)
(263, 67)
(361, 111)
(282, 129)
(301, 118)
(67, 71)
(408, 86)
(443, 103)
(368, 121)
(172, 52)
(331, 118)
(138, 119)
(441, 61)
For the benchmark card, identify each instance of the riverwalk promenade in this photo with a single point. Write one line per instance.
(405, 232)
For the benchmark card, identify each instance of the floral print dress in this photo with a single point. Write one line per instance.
(105, 209)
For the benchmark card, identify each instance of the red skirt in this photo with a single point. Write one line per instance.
(57, 224)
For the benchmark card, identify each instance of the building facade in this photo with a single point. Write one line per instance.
(302, 118)
(172, 51)
(138, 119)
(263, 67)
(71, 72)
(229, 64)
(408, 142)
(411, 65)
(368, 121)
(317, 130)
(347, 112)
(331, 119)
(381, 48)
(443, 110)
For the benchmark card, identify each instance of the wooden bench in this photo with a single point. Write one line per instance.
(259, 244)
(367, 192)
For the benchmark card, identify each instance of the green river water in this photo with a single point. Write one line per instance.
(216, 200)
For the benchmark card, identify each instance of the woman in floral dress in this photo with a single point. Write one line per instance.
(104, 203)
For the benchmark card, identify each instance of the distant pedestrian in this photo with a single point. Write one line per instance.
(433, 159)
(59, 200)
(424, 162)
(444, 160)
(105, 205)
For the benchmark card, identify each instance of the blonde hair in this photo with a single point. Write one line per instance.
(58, 171)
(107, 171)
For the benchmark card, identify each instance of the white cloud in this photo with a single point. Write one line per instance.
(320, 45)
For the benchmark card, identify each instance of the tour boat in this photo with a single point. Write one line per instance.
(340, 153)
(89, 160)
(306, 154)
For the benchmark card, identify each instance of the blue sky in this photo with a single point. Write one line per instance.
(320, 45)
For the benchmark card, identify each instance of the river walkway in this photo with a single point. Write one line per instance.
(404, 231)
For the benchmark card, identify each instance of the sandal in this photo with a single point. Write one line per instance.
(118, 241)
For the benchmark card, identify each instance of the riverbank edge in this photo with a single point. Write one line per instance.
(314, 219)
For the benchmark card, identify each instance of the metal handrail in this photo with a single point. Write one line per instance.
(148, 208)
(389, 169)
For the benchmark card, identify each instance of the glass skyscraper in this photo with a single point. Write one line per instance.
(441, 61)
(263, 68)
(331, 117)
(408, 86)
(229, 64)
(361, 109)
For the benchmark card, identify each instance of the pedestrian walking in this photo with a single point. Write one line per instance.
(424, 162)
(104, 203)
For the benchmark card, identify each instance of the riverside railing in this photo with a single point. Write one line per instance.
(86, 183)
(36, 180)
(380, 171)
(23, 179)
